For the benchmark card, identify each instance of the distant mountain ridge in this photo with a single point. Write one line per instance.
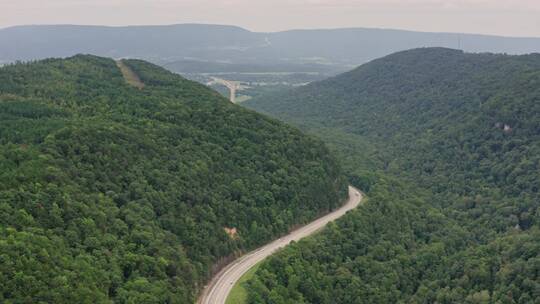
(150, 42)
(221, 43)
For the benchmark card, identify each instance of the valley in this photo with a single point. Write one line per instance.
(216, 164)
(264, 62)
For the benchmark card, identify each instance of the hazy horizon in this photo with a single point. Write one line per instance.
(495, 17)
(277, 31)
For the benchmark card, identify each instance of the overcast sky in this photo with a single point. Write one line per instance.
(501, 17)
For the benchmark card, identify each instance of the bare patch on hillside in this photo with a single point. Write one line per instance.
(130, 76)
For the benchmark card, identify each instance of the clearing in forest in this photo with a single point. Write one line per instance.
(130, 76)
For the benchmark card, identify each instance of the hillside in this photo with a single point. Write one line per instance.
(453, 141)
(111, 193)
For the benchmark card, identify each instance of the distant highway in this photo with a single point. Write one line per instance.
(231, 85)
(220, 286)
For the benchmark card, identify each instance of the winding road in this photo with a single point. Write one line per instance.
(220, 286)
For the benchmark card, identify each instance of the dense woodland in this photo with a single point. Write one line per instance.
(111, 194)
(447, 146)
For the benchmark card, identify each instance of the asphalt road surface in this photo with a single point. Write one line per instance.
(220, 286)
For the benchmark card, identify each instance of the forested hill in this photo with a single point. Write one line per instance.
(433, 80)
(454, 139)
(113, 194)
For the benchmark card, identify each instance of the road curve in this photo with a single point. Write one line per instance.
(233, 86)
(220, 286)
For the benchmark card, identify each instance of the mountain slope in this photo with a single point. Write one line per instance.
(111, 193)
(460, 129)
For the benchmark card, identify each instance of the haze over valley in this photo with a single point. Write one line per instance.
(260, 61)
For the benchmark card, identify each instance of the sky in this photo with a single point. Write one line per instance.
(499, 17)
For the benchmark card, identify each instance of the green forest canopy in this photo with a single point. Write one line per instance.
(111, 194)
(447, 145)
